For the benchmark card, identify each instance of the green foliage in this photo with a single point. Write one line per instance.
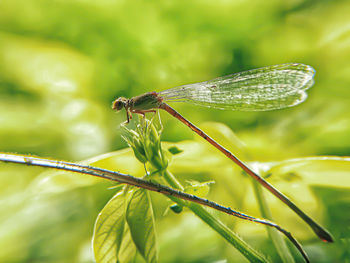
(176, 208)
(63, 62)
(174, 150)
(125, 225)
(200, 189)
(56, 190)
(148, 138)
(145, 142)
(130, 212)
(109, 229)
(139, 216)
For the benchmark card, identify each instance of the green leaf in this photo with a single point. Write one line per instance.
(174, 150)
(128, 250)
(326, 171)
(139, 216)
(176, 208)
(200, 189)
(109, 229)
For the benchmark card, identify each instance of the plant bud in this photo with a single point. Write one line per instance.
(139, 150)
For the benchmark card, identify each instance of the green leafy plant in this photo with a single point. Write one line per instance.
(133, 207)
(125, 229)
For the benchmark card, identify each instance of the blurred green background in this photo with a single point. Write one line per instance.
(63, 62)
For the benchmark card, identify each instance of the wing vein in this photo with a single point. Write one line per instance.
(267, 88)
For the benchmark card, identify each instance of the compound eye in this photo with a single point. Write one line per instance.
(117, 105)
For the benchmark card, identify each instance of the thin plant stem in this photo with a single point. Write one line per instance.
(251, 254)
(277, 239)
(138, 182)
(127, 179)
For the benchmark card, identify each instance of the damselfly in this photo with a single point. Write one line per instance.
(267, 88)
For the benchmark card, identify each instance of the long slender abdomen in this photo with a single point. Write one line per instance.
(319, 230)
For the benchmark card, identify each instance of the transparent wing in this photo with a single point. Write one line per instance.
(267, 88)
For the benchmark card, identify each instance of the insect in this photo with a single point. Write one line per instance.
(262, 89)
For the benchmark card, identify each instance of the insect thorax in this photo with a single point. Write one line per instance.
(147, 101)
